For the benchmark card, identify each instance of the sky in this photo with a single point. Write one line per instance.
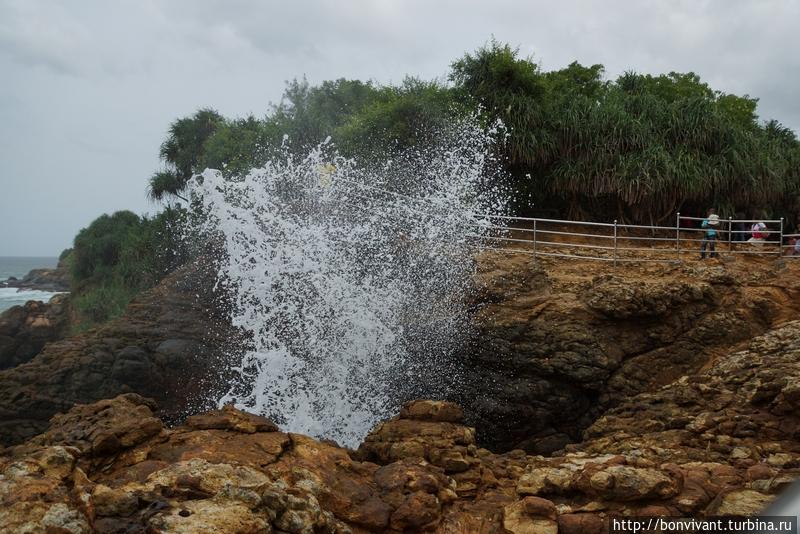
(89, 87)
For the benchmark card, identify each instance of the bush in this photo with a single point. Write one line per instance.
(119, 255)
(97, 247)
(96, 304)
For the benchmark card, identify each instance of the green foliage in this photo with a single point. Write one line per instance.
(97, 247)
(398, 117)
(181, 152)
(102, 302)
(307, 115)
(637, 148)
(239, 145)
(117, 256)
(497, 78)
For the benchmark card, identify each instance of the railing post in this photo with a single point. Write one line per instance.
(615, 243)
(780, 241)
(678, 237)
(730, 234)
(534, 238)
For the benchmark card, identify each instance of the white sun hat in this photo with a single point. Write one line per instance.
(713, 219)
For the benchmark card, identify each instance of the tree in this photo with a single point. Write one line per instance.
(182, 151)
(307, 115)
(637, 148)
(239, 145)
(399, 117)
(97, 248)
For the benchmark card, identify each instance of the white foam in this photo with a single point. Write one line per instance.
(349, 280)
(11, 296)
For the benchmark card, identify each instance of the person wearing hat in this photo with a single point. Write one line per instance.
(710, 238)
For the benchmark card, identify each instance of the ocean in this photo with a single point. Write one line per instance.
(18, 267)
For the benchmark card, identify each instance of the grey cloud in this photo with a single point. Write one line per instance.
(90, 87)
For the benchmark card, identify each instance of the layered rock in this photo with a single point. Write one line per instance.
(113, 467)
(744, 409)
(24, 330)
(559, 342)
(169, 345)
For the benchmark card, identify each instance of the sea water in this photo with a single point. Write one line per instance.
(18, 266)
(349, 278)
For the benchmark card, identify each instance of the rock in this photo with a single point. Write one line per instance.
(780, 459)
(530, 515)
(233, 471)
(740, 453)
(103, 428)
(581, 524)
(626, 483)
(210, 516)
(170, 345)
(113, 502)
(657, 425)
(25, 330)
(546, 480)
(548, 359)
(36, 494)
(427, 410)
(622, 299)
(42, 279)
(444, 444)
(741, 502)
(229, 418)
(418, 510)
(759, 472)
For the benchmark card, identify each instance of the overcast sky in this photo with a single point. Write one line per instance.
(89, 87)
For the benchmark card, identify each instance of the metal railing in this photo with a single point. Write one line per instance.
(617, 243)
(607, 241)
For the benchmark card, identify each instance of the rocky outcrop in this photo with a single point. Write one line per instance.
(56, 280)
(743, 409)
(24, 330)
(114, 467)
(559, 342)
(170, 345)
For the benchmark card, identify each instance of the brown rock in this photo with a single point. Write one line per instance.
(625, 483)
(229, 418)
(530, 515)
(581, 524)
(430, 410)
(545, 480)
(113, 502)
(759, 472)
(419, 509)
(207, 516)
(103, 428)
(740, 502)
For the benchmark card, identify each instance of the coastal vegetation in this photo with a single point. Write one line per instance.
(636, 148)
(117, 256)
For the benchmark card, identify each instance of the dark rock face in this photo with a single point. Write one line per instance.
(557, 344)
(170, 345)
(743, 408)
(24, 330)
(42, 279)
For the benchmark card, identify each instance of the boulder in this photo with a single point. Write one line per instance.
(26, 329)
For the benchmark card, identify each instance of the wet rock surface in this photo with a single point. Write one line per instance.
(26, 329)
(651, 400)
(56, 279)
(112, 466)
(558, 343)
(164, 347)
